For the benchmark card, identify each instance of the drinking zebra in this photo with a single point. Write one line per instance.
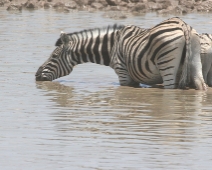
(168, 53)
(151, 56)
(206, 57)
(92, 45)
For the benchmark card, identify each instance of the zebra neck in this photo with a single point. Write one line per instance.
(95, 51)
(94, 45)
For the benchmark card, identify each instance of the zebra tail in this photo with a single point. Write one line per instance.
(185, 75)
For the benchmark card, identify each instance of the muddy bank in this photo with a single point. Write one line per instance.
(113, 8)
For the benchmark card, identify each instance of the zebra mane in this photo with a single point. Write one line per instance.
(110, 27)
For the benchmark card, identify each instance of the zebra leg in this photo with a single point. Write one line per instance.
(124, 77)
(169, 76)
(169, 65)
(206, 60)
(209, 77)
(196, 65)
(206, 64)
(118, 64)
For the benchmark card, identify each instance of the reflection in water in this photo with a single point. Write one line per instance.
(144, 125)
(165, 115)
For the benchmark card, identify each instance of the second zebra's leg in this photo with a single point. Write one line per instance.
(196, 65)
(209, 77)
(206, 64)
(206, 60)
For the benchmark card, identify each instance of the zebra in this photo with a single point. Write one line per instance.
(206, 57)
(91, 45)
(167, 53)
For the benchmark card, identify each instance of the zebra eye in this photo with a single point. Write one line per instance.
(54, 55)
(56, 52)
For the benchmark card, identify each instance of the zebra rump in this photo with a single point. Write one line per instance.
(167, 53)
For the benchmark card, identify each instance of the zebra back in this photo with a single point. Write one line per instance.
(206, 42)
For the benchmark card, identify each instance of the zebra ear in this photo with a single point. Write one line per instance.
(64, 38)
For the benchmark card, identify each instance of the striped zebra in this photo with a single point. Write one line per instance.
(167, 53)
(92, 45)
(206, 57)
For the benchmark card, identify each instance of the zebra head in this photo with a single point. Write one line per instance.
(58, 64)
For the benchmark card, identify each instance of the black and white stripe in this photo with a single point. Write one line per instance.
(206, 57)
(168, 53)
(92, 45)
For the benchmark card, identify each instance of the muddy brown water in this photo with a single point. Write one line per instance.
(86, 121)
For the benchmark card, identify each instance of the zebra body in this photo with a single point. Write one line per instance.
(93, 45)
(168, 53)
(206, 57)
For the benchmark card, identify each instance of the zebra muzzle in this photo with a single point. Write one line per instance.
(39, 76)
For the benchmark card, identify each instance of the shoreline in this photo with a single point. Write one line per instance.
(113, 8)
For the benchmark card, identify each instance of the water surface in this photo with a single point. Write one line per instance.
(86, 121)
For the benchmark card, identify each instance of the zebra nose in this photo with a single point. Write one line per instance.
(38, 78)
(38, 73)
(41, 78)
